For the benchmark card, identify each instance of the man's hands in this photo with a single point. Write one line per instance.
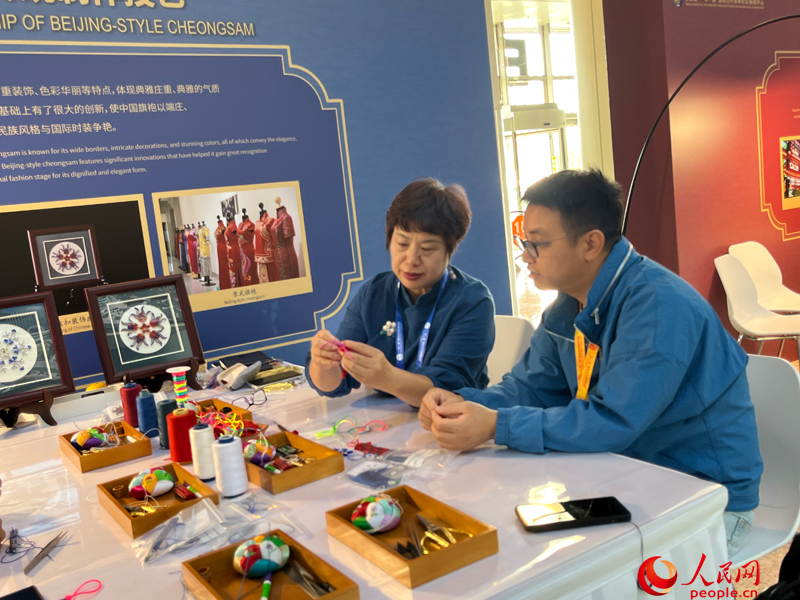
(434, 398)
(457, 425)
(367, 365)
(323, 354)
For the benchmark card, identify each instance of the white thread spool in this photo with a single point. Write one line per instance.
(201, 437)
(230, 467)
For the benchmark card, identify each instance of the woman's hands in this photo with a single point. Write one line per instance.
(367, 364)
(325, 353)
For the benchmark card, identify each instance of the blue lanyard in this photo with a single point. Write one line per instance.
(423, 339)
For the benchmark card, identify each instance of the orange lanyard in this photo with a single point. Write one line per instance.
(584, 363)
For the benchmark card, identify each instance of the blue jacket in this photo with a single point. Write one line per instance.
(669, 385)
(460, 340)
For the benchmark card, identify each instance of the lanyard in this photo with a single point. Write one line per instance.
(423, 339)
(584, 363)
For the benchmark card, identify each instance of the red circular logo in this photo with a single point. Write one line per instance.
(651, 582)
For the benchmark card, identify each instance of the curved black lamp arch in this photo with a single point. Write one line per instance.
(672, 97)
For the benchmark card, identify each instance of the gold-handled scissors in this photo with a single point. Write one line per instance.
(441, 535)
(45, 551)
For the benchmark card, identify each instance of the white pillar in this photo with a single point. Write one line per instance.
(594, 115)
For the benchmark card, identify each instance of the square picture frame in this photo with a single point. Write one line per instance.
(33, 357)
(143, 327)
(65, 257)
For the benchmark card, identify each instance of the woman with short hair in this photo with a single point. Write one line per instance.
(423, 324)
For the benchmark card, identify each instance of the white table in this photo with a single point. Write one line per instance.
(674, 516)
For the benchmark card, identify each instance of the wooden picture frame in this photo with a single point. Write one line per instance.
(80, 239)
(146, 349)
(36, 315)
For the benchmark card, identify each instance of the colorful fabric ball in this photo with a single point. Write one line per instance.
(260, 555)
(378, 513)
(89, 438)
(259, 451)
(151, 482)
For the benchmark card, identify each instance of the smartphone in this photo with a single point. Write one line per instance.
(572, 513)
(28, 593)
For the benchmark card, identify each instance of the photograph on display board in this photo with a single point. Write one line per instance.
(65, 256)
(790, 163)
(234, 245)
(143, 327)
(32, 354)
(70, 245)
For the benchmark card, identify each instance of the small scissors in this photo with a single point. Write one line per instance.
(441, 536)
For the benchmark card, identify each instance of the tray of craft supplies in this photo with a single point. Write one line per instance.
(103, 446)
(289, 461)
(218, 405)
(241, 571)
(141, 501)
(410, 535)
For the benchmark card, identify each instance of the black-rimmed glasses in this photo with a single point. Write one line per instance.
(532, 248)
(254, 399)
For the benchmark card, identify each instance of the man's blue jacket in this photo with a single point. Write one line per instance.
(669, 385)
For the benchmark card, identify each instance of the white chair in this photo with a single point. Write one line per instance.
(767, 277)
(747, 316)
(775, 390)
(512, 339)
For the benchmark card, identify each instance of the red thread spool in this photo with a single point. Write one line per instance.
(179, 422)
(129, 392)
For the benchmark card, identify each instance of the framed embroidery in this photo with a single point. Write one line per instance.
(143, 327)
(65, 257)
(33, 358)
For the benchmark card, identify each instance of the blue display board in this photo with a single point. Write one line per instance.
(186, 104)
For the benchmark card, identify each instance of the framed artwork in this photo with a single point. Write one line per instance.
(230, 207)
(33, 359)
(143, 327)
(65, 256)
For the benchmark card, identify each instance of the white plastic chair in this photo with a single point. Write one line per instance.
(775, 390)
(747, 316)
(512, 339)
(767, 277)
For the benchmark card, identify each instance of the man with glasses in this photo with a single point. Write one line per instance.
(629, 359)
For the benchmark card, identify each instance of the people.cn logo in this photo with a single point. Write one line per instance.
(651, 582)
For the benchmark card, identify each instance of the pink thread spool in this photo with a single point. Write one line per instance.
(179, 383)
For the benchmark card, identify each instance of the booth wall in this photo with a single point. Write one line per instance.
(702, 173)
(414, 79)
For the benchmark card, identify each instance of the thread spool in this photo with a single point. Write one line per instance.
(229, 465)
(178, 425)
(163, 409)
(201, 437)
(129, 393)
(147, 415)
(179, 383)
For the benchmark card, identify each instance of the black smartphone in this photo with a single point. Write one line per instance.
(572, 513)
(28, 593)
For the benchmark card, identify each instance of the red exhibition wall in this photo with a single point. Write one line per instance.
(715, 173)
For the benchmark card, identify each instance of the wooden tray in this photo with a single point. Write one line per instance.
(223, 581)
(329, 462)
(111, 456)
(255, 436)
(138, 526)
(219, 405)
(381, 548)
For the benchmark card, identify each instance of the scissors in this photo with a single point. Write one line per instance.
(311, 584)
(158, 545)
(45, 551)
(442, 536)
